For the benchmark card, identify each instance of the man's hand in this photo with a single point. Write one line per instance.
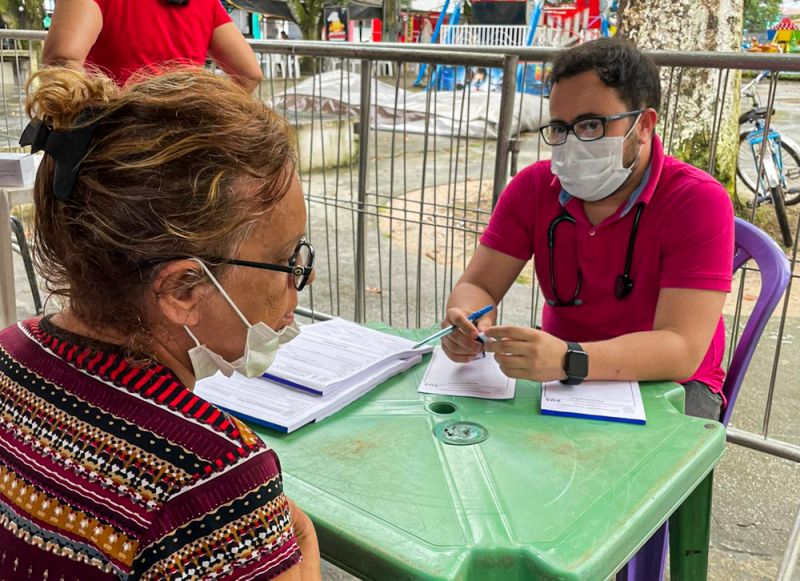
(525, 353)
(462, 345)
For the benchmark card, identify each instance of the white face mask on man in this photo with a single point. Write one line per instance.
(260, 346)
(592, 170)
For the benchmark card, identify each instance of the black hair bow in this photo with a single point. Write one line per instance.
(68, 148)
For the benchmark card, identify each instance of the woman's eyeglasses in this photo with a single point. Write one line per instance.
(301, 264)
(587, 129)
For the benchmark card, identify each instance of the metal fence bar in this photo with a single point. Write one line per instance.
(763, 444)
(363, 158)
(781, 326)
(425, 153)
(662, 58)
(392, 52)
(504, 126)
(719, 114)
(792, 553)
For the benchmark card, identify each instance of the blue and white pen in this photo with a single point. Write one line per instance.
(447, 330)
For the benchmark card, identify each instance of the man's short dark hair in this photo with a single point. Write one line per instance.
(619, 64)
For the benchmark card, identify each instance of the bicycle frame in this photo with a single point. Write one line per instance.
(773, 163)
(769, 182)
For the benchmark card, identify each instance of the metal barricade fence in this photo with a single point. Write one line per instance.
(722, 69)
(396, 190)
(399, 190)
(20, 51)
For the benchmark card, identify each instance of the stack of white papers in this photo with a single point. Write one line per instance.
(329, 356)
(327, 366)
(616, 401)
(479, 378)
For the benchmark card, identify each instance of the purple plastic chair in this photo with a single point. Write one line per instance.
(750, 242)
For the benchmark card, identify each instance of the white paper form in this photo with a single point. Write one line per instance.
(282, 408)
(326, 356)
(619, 401)
(479, 378)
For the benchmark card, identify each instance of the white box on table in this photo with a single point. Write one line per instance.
(18, 169)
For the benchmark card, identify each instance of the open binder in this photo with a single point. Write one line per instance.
(328, 366)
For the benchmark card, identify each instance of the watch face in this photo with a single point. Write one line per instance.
(577, 364)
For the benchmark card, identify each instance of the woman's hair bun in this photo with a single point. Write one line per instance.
(58, 95)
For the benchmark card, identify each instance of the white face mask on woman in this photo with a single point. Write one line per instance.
(260, 346)
(592, 170)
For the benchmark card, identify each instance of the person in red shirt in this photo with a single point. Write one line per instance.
(121, 37)
(633, 249)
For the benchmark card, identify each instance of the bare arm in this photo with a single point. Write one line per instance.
(74, 30)
(488, 277)
(231, 51)
(684, 324)
(309, 567)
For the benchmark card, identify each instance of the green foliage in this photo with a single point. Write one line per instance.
(761, 14)
(29, 19)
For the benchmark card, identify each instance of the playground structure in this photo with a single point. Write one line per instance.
(786, 35)
(783, 37)
(548, 26)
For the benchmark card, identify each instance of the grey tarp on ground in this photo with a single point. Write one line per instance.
(453, 113)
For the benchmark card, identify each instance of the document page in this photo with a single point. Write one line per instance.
(479, 378)
(332, 353)
(257, 398)
(282, 408)
(602, 400)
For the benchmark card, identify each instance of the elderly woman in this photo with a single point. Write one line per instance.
(170, 220)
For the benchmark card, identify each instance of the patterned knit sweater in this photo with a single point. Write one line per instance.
(112, 469)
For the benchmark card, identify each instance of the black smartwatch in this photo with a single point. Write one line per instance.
(576, 364)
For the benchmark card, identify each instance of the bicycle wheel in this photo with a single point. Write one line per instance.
(746, 169)
(780, 212)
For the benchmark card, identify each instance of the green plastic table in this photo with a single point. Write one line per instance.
(541, 497)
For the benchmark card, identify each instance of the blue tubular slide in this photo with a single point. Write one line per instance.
(535, 17)
(434, 38)
(456, 16)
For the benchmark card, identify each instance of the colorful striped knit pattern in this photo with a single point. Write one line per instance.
(111, 469)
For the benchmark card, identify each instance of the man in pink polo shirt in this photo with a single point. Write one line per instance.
(633, 249)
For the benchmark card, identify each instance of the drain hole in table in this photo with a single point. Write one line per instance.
(442, 407)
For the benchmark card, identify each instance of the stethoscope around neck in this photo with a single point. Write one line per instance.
(623, 285)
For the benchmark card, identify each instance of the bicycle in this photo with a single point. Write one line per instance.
(779, 182)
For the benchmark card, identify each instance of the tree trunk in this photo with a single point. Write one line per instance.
(689, 25)
(391, 20)
(30, 18)
(311, 27)
(308, 16)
